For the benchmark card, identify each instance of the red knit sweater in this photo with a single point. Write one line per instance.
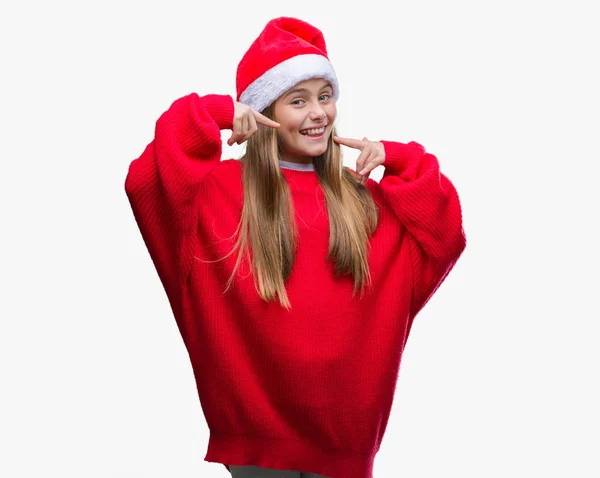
(309, 389)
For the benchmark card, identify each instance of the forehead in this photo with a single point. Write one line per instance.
(313, 84)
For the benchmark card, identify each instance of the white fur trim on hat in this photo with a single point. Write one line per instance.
(274, 82)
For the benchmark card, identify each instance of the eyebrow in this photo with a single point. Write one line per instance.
(297, 90)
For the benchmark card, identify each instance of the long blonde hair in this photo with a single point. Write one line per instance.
(268, 224)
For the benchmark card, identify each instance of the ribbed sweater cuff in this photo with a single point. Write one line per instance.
(398, 156)
(220, 108)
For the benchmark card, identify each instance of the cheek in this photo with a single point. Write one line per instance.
(292, 130)
(286, 138)
(288, 135)
(332, 112)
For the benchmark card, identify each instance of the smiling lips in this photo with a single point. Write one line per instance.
(313, 131)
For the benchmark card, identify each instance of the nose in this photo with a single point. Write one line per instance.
(317, 113)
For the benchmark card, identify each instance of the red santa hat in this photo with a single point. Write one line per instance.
(287, 52)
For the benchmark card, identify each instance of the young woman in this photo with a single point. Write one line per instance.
(262, 257)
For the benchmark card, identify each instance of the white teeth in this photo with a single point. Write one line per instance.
(314, 132)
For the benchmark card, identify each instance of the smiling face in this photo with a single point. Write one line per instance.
(306, 113)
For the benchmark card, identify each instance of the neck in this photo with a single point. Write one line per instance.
(296, 166)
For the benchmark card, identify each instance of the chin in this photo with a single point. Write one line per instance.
(316, 151)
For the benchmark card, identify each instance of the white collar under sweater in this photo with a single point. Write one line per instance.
(296, 166)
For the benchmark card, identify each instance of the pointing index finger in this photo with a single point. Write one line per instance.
(260, 118)
(352, 143)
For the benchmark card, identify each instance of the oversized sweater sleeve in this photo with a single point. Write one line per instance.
(162, 184)
(428, 206)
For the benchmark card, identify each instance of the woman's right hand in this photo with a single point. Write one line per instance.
(245, 121)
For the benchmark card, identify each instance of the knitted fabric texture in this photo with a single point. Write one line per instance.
(309, 389)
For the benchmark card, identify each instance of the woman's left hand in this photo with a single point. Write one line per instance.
(372, 154)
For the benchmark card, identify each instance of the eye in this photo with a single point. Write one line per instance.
(294, 102)
(326, 95)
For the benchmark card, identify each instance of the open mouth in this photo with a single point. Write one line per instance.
(313, 132)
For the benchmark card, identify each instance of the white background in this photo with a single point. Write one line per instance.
(500, 374)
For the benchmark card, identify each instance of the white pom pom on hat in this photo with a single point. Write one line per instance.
(288, 51)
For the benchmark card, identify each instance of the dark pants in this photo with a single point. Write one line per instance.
(259, 472)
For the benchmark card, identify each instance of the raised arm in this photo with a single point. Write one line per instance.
(162, 184)
(427, 204)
